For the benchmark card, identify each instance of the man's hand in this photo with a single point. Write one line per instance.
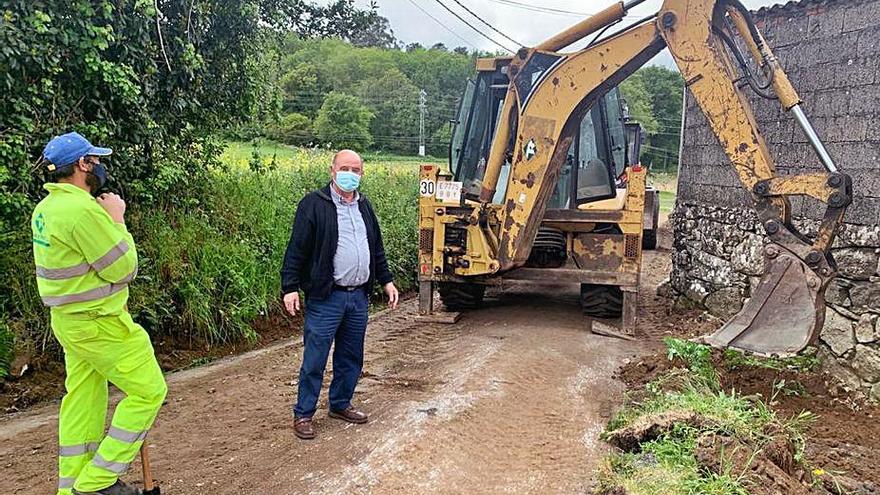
(393, 296)
(291, 302)
(113, 205)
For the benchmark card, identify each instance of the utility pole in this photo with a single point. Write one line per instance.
(423, 100)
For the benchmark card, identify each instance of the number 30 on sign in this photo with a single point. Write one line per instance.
(426, 187)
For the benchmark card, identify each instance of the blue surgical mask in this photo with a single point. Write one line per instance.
(347, 181)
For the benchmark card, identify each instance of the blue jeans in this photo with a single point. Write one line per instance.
(342, 318)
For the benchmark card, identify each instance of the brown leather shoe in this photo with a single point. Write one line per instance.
(302, 427)
(351, 415)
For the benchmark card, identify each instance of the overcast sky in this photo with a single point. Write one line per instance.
(525, 21)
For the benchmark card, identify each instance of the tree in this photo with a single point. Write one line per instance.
(665, 87)
(377, 33)
(303, 89)
(293, 128)
(387, 81)
(654, 98)
(153, 80)
(344, 122)
(461, 50)
(438, 145)
(342, 19)
(394, 102)
(638, 101)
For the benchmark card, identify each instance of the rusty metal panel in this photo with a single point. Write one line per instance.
(598, 251)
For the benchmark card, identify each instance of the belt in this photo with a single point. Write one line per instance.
(347, 288)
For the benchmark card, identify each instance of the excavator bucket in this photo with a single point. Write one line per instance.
(784, 314)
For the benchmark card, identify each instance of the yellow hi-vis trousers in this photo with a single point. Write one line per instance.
(98, 350)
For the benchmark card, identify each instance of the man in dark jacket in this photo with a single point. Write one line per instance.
(335, 255)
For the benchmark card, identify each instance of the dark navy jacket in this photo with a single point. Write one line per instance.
(308, 261)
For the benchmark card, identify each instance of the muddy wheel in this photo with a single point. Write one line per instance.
(601, 301)
(457, 297)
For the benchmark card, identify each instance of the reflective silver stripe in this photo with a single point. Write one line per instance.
(113, 467)
(64, 483)
(128, 278)
(63, 273)
(74, 450)
(90, 295)
(125, 435)
(116, 252)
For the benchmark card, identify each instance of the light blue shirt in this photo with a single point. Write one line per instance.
(351, 264)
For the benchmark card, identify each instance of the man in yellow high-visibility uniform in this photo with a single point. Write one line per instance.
(85, 258)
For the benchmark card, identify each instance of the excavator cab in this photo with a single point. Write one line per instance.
(592, 164)
(541, 187)
(578, 241)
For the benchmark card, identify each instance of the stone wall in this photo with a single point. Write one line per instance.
(831, 52)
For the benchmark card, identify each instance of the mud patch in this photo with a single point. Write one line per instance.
(845, 437)
(760, 475)
(842, 441)
(647, 428)
(43, 381)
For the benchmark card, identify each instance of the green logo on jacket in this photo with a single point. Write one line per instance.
(40, 236)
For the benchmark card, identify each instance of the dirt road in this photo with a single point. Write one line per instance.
(509, 400)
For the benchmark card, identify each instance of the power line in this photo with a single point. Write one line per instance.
(462, 19)
(540, 9)
(442, 25)
(469, 11)
(546, 10)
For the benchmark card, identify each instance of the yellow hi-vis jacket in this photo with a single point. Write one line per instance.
(84, 259)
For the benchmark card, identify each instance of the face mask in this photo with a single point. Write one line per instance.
(97, 178)
(347, 181)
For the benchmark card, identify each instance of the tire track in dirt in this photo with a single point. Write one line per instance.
(518, 413)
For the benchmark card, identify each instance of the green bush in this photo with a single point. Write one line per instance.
(6, 342)
(344, 122)
(293, 128)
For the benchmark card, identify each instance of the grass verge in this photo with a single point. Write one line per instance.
(684, 434)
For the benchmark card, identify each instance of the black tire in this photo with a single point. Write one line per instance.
(601, 301)
(460, 296)
(649, 239)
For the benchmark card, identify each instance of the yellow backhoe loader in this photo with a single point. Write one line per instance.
(544, 184)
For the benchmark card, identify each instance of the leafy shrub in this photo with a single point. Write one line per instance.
(6, 341)
(293, 128)
(344, 122)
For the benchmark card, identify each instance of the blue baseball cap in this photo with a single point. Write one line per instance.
(67, 149)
